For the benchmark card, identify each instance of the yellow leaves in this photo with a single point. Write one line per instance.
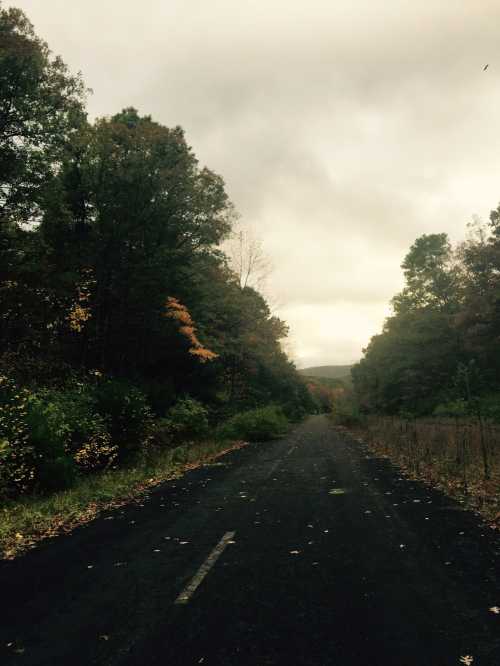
(203, 354)
(80, 313)
(188, 331)
(97, 453)
(77, 317)
(178, 312)
(467, 660)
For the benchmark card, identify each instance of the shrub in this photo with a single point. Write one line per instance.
(65, 424)
(255, 425)
(345, 412)
(455, 408)
(128, 415)
(187, 420)
(56, 474)
(17, 457)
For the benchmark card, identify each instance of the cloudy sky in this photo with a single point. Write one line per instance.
(344, 129)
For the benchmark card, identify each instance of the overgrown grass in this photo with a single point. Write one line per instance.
(28, 519)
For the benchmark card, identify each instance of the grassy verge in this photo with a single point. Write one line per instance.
(28, 520)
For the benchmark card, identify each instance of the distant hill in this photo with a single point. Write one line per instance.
(328, 371)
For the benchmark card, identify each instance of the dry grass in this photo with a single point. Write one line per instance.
(461, 457)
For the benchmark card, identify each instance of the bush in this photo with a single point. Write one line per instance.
(256, 425)
(56, 474)
(17, 457)
(66, 424)
(127, 414)
(187, 420)
(345, 412)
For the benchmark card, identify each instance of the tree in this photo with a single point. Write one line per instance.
(429, 276)
(144, 212)
(248, 259)
(41, 104)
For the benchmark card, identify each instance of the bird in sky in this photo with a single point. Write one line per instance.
(485, 67)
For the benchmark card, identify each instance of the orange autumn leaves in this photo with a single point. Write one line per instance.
(180, 314)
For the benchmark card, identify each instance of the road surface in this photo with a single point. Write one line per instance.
(301, 551)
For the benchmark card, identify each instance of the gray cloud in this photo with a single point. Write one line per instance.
(343, 129)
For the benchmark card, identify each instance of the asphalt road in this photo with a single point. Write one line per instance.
(335, 560)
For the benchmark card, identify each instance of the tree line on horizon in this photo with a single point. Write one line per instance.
(438, 352)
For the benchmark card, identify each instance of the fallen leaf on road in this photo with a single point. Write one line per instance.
(294, 552)
(104, 637)
(156, 550)
(183, 543)
(467, 660)
(367, 511)
(401, 545)
(495, 609)
(119, 564)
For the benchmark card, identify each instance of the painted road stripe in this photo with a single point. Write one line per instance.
(197, 579)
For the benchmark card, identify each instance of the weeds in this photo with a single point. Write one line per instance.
(462, 457)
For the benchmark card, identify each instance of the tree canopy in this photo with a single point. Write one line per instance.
(110, 249)
(446, 319)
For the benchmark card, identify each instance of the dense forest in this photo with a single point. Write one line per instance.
(118, 305)
(439, 351)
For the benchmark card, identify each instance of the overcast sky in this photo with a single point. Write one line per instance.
(343, 129)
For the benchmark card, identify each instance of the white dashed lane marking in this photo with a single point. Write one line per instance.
(197, 579)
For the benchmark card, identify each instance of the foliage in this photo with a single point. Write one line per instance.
(325, 392)
(180, 314)
(27, 519)
(40, 105)
(114, 290)
(187, 420)
(17, 456)
(127, 413)
(256, 425)
(345, 411)
(439, 347)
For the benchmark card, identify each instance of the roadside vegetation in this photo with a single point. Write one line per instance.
(127, 335)
(427, 391)
(27, 519)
